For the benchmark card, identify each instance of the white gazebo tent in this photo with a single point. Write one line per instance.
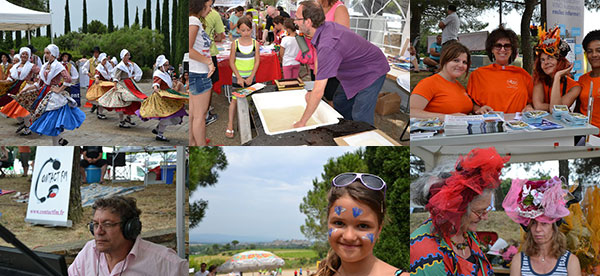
(16, 18)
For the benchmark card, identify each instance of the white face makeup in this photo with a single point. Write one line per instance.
(352, 235)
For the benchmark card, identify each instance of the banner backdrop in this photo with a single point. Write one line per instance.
(50, 186)
(568, 15)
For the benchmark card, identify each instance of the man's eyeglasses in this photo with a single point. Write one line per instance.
(480, 214)
(506, 46)
(105, 225)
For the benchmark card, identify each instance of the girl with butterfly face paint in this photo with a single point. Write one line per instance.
(355, 218)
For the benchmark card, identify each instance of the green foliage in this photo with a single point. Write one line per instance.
(165, 29)
(96, 27)
(174, 33)
(157, 17)
(182, 32)
(38, 5)
(144, 19)
(149, 14)
(314, 204)
(18, 41)
(144, 45)
(67, 18)
(49, 27)
(84, 25)
(69, 41)
(111, 26)
(126, 13)
(204, 163)
(137, 17)
(392, 165)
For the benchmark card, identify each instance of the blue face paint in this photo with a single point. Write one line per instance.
(339, 209)
(356, 211)
(369, 236)
(330, 231)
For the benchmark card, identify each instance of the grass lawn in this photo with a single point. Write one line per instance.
(157, 203)
(291, 256)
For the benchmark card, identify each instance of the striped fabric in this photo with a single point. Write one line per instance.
(560, 269)
(244, 62)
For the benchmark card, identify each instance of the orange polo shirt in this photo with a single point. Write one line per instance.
(570, 84)
(585, 81)
(444, 96)
(504, 88)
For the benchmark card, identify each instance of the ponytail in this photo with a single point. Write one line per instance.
(330, 265)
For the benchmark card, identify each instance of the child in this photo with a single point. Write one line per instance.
(243, 60)
(279, 29)
(249, 15)
(355, 218)
(289, 50)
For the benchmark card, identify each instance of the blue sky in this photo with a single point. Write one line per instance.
(97, 10)
(260, 191)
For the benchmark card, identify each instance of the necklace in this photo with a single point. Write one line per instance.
(463, 245)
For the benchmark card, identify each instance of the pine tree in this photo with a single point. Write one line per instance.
(111, 26)
(137, 17)
(9, 40)
(38, 33)
(126, 20)
(84, 23)
(165, 28)
(67, 18)
(149, 14)
(157, 19)
(182, 36)
(2, 38)
(174, 42)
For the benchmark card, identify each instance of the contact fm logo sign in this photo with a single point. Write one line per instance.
(512, 83)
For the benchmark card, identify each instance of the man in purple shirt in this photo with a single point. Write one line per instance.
(117, 248)
(359, 66)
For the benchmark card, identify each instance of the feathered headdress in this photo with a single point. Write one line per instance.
(550, 43)
(449, 199)
(542, 200)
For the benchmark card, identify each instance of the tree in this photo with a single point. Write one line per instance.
(126, 17)
(18, 39)
(157, 18)
(206, 161)
(149, 14)
(96, 27)
(137, 17)
(84, 27)
(314, 204)
(235, 242)
(165, 29)
(144, 19)
(38, 33)
(174, 41)
(67, 18)
(75, 207)
(111, 26)
(182, 32)
(48, 28)
(9, 40)
(392, 165)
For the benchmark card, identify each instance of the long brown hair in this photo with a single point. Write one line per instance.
(558, 243)
(453, 51)
(539, 76)
(357, 191)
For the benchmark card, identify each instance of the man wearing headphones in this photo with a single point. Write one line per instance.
(117, 248)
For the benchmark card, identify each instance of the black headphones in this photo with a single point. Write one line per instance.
(130, 228)
(53, 190)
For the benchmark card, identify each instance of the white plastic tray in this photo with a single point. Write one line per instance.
(324, 115)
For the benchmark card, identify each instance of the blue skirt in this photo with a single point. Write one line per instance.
(52, 123)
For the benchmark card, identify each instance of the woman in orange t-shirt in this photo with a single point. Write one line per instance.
(500, 86)
(441, 94)
(552, 85)
(591, 46)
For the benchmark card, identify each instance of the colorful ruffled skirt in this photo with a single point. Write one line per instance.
(163, 104)
(125, 97)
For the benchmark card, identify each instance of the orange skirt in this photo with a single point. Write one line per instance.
(14, 110)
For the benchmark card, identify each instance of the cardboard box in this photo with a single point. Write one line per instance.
(388, 103)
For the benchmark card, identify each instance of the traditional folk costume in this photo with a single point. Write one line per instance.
(100, 83)
(73, 85)
(89, 68)
(52, 112)
(165, 104)
(125, 97)
(20, 79)
(5, 68)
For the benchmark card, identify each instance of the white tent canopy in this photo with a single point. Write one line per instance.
(229, 3)
(16, 18)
